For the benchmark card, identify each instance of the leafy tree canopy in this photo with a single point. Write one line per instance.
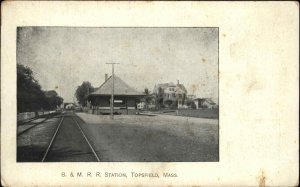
(30, 96)
(82, 92)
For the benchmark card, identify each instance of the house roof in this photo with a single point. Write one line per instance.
(120, 88)
(181, 86)
(208, 100)
(166, 85)
(162, 86)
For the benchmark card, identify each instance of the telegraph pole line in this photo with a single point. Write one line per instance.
(112, 91)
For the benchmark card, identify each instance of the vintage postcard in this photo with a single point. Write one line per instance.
(148, 119)
(149, 94)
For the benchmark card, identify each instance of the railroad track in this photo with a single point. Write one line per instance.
(37, 117)
(29, 128)
(47, 116)
(27, 121)
(86, 139)
(54, 137)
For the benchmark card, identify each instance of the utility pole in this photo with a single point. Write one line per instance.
(112, 91)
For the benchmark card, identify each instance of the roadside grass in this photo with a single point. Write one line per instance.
(198, 113)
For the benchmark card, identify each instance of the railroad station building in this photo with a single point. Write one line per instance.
(125, 97)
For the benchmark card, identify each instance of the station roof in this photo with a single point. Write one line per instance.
(120, 88)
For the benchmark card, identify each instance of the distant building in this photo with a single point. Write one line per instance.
(125, 97)
(68, 106)
(205, 103)
(173, 96)
(191, 97)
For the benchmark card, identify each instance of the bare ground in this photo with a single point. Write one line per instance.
(162, 138)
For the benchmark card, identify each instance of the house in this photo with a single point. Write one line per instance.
(192, 97)
(170, 95)
(70, 106)
(205, 103)
(125, 97)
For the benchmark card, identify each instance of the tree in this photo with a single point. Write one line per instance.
(159, 98)
(148, 98)
(30, 96)
(82, 92)
(191, 104)
(53, 99)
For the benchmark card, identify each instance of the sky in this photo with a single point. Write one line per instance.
(63, 57)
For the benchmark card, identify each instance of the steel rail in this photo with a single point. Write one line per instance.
(93, 150)
(37, 117)
(22, 132)
(38, 123)
(30, 120)
(52, 140)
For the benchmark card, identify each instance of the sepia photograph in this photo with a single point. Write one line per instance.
(117, 94)
(132, 93)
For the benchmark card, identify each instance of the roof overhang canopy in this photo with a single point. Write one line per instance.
(120, 88)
